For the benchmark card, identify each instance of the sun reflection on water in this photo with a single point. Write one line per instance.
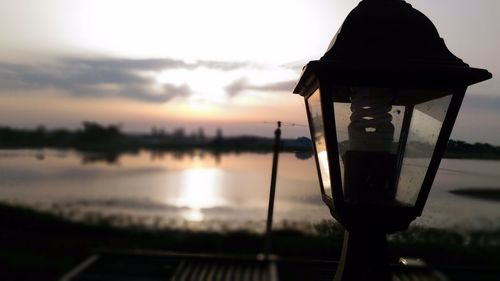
(199, 190)
(193, 215)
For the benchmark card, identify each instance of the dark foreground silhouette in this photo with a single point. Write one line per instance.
(43, 246)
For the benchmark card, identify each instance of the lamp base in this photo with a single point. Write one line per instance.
(364, 257)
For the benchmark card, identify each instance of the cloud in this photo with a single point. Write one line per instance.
(104, 77)
(236, 87)
(284, 86)
(242, 84)
(296, 66)
(225, 66)
(156, 64)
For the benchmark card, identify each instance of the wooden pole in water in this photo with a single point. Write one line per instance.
(272, 190)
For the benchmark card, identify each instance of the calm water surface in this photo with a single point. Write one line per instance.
(201, 190)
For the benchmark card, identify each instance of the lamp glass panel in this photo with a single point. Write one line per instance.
(318, 134)
(368, 125)
(424, 128)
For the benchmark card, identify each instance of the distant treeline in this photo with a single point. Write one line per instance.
(461, 149)
(95, 137)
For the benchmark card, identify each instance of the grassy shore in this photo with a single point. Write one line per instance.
(41, 246)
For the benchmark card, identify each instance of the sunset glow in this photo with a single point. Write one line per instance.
(200, 64)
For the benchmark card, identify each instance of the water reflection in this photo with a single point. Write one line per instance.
(111, 158)
(303, 155)
(190, 153)
(199, 190)
(108, 158)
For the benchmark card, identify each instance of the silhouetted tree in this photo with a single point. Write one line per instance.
(201, 135)
(178, 134)
(218, 134)
(98, 137)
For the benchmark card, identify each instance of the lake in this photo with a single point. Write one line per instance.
(203, 190)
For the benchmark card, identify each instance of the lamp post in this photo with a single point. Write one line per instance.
(381, 105)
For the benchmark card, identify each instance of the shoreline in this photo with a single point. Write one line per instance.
(301, 153)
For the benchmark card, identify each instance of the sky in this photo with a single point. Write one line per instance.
(194, 63)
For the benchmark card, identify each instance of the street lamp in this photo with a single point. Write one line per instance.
(381, 105)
